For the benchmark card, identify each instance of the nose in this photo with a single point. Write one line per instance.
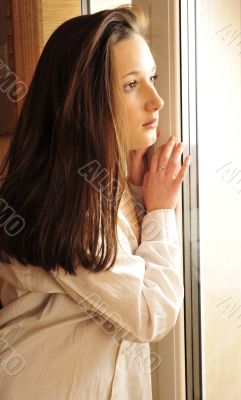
(154, 101)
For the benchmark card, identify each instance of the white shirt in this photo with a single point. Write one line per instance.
(86, 337)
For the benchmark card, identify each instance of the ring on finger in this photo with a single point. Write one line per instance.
(163, 169)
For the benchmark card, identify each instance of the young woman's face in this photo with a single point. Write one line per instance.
(140, 98)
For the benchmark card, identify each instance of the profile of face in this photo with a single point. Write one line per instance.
(135, 68)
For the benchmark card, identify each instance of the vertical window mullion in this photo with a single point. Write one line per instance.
(190, 202)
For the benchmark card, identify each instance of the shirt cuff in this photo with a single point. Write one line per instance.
(159, 225)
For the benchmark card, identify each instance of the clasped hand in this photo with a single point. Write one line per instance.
(160, 189)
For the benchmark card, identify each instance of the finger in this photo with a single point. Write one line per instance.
(155, 158)
(181, 174)
(174, 160)
(175, 148)
(166, 153)
(159, 150)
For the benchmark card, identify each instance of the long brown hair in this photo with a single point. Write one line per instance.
(65, 170)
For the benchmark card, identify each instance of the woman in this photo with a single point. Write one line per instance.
(90, 259)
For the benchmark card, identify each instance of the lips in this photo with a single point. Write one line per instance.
(152, 123)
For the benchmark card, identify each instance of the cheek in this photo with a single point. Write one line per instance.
(133, 111)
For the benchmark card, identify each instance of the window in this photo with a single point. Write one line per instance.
(211, 124)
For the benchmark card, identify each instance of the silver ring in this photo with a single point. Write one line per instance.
(163, 169)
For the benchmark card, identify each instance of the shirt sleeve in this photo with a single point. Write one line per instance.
(141, 295)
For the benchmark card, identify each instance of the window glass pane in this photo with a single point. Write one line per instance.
(219, 144)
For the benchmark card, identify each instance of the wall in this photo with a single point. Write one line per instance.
(55, 12)
(7, 107)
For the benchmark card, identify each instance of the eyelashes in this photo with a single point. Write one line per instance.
(155, 77)
(128, 86)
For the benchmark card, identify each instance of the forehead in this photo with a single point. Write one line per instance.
(132, 54)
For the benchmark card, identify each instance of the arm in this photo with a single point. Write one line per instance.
(143, 292)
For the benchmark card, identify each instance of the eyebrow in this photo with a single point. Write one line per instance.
(136, 72)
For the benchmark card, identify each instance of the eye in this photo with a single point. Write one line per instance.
(154, 77)
(128, 86)
(131, 85)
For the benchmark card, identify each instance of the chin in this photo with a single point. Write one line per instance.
(144, 139)
(148, 140)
